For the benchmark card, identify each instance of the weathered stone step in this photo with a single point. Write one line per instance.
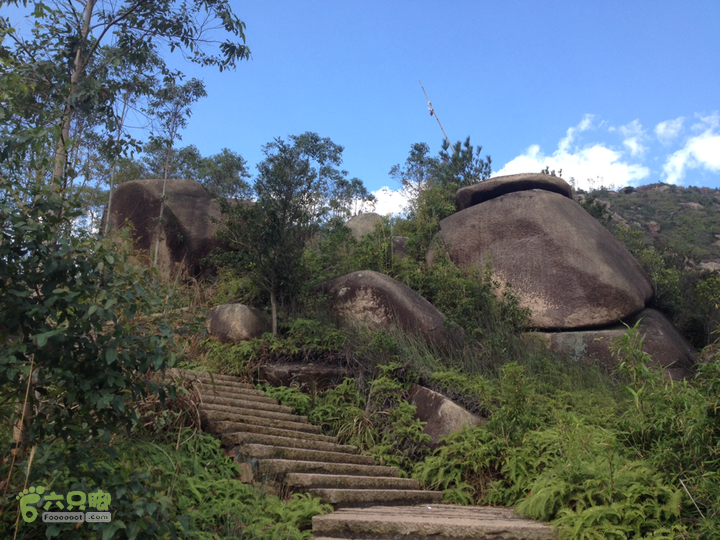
(441, 522)
(262, 451)
(279, 467)
(260, 412)
(234, 393)
(246, 403)
(233, 439)
(346, 497)
(310, 480)
(222, 427)
(256, 420)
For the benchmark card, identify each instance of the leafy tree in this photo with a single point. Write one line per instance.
(77, 64)
(224, 174)
(432, 183)
(73, 309)
(273, 231)
(414, 176)
(297, 189)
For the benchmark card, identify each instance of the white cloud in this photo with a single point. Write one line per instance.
(591, 166)
(699, 152)
(390, 201)
(669, 129)
(634, 134)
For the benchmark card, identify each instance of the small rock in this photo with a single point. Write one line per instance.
(693, 205)
(231, 323)
(443, 416)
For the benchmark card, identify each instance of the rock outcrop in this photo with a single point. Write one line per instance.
(187, 234)
(562, 264)
(668, 349)
(502, 185)
(443, 416)
(375, 300)
(363, 224)
(231, 323)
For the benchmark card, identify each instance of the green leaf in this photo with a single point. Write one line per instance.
(111, 355)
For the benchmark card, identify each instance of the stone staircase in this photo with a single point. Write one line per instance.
(277, 446)
(273, 445)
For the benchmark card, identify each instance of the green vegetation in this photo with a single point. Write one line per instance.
(670, 230)
(86, 331)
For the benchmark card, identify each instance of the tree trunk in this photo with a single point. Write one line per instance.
(162, 207)
(273, 303)
(80, 64)
(112, 172)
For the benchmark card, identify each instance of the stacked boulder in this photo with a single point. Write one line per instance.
(562, 264)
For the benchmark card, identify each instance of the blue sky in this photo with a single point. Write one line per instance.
(625, 93)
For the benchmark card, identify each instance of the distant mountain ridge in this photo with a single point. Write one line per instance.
(683, 220)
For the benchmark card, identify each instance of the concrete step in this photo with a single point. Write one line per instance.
(440, 522)
(258, 421)
(217, 377)
(234, 393)
(260, 412)
(348, 497)
(222, 427)
(302, 481)
(281, 467)
(261, 451)
(234, 439)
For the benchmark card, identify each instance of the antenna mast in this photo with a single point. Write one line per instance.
(433, 113)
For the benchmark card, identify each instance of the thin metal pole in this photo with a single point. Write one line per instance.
(433, 113)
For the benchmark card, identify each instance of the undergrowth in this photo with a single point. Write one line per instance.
(179, 488)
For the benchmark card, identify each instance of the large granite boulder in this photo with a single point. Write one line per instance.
(372, 299)
(187, 234)
(502, 185)
(363, 224)
(668, 349)
(442, 415)
(562, 264)
(231, 323)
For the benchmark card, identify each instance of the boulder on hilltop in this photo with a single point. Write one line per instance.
(187, 233)
(372, 299)
(562, 264)
(502, 185)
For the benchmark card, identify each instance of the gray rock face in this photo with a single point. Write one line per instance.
(375, 300)
(187, 235)
(502, 185)
(668, 349)
(363, 224)
(398, 247)
(231, 323)
(562, 264)
(443, 416)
